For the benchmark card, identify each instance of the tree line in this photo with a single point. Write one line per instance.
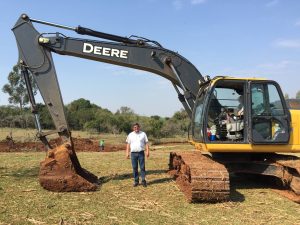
(83, 115)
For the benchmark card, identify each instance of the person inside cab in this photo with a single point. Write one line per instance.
(240, 108)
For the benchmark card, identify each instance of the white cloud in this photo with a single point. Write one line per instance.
(196, 2)
(287, 43)
(272, 3)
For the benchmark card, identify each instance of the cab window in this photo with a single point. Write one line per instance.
(197, 125)
(225, 112)
(270, 122)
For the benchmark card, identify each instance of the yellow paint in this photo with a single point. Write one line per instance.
(214, 80)
(295, 134)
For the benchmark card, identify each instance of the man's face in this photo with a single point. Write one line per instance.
(136, 128)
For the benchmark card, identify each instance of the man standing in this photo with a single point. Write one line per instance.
(101, 145)
(137, 143)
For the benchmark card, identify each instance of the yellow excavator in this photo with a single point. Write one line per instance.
(238, 125)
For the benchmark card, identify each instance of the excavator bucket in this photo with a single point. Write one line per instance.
(61, 171)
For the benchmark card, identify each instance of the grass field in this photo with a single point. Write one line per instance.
(23, 201)
(25, 135)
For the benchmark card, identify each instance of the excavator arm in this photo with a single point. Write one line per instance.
(61, 170)
(35, 55)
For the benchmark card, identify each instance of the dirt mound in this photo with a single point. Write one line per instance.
(80, 145)
(61, 172)
(11, 146)
(90, 145)
(293, 103)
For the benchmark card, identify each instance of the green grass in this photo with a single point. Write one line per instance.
(20, 135)
(23, 201)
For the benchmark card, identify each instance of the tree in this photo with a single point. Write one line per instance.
(298, 95)
(103, 121)
(156, 123)
(10, 116)
(181, 117)
(171, 128)
(45, 117)
(79, 112)
(80, 104)
(125, 110)
(16, 88)
(125, 117)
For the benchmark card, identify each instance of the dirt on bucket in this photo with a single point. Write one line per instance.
(61, 172)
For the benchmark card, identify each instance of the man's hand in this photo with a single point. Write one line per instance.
(147, 150)
(127, 151)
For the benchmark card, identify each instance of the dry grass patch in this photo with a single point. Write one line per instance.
(23, 201)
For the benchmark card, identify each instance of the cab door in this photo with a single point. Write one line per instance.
(269, 116)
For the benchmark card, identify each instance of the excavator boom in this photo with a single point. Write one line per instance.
(35, 54)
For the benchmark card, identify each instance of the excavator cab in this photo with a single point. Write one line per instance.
(240, 126)
(240, 111)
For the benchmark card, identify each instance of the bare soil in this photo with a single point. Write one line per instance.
(80, 145)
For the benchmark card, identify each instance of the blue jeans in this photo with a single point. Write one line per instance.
(138, 158)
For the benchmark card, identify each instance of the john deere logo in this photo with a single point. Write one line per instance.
(98, 50)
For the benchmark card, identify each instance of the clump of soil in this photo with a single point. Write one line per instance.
(289, 195)
(61, 172)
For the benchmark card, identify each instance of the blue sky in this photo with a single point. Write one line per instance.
(254, 38)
